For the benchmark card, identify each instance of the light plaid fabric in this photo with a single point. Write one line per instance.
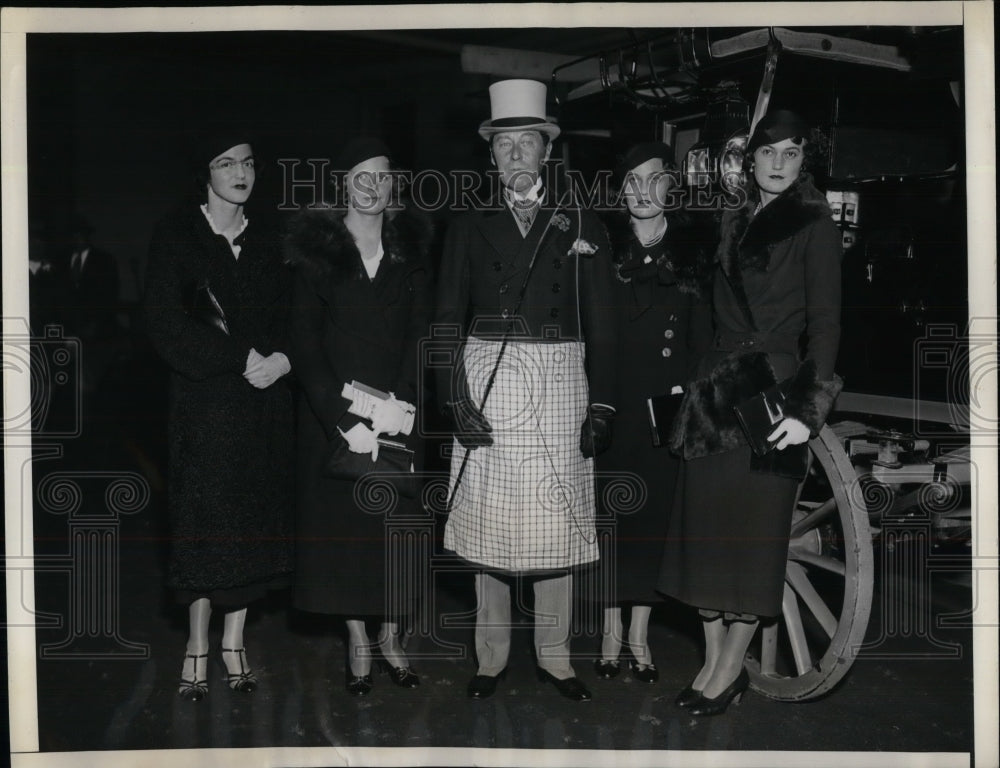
(527, 502)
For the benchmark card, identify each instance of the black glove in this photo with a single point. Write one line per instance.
(471, 427)
(595, 436)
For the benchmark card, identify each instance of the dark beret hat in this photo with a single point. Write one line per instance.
(777, 126)
(358, 150)
(210, 139)
(640, 153)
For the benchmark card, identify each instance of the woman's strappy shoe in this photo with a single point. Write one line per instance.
(358, 685)
(644, 673)
(404, 677)
(243, 681)
(194, 689)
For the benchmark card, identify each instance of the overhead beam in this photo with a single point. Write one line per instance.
(533, 65)
(814, 44)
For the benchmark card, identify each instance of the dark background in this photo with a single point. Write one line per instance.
(108, 116)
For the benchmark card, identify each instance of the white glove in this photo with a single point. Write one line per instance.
(391, 416)
(790, 432)
(360, 439)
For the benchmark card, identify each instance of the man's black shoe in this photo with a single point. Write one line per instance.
(571, 687)
(484, 686)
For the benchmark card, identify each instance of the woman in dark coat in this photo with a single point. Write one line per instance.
(361, 306)
(663, 323)
(216, 307)
(777, 280)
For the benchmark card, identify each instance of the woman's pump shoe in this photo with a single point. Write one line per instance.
(244, 681)
(196, 688)
(687, 697)
(607, 669)
(734, 693)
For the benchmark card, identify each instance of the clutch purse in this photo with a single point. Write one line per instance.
(758, 416)
(395, 463)
(661, 410)
(204, 307)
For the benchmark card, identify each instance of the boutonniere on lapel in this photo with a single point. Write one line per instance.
(582, 247)
(561, 222)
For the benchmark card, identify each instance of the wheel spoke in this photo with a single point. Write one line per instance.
(825, 562)
(769, 649)
(797, 577)
(814, 518)
(796, 636)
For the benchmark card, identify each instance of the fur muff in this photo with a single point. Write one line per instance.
(318, 240)
(810, 400)
(707, 424)
(747, 240)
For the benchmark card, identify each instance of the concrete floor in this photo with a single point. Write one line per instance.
(109, 700)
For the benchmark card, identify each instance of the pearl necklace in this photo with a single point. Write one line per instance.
(655, 238)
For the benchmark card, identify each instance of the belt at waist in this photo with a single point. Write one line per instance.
(757, 342)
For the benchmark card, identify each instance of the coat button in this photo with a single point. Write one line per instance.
(497, 266)
(555, 287)
(668, 334)
(557, 263)
(505, 314)
(666, 352)
(672, 318)
(504, 288)
(554, 312)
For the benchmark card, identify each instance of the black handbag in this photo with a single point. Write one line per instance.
(204, 307)
(759, 416)
(394, 465)
(662, 410)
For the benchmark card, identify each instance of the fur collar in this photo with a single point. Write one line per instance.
(747, 240)
(318, 240)
(684, 253)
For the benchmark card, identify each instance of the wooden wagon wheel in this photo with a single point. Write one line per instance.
(828, 584)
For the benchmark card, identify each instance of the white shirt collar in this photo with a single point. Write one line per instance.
(534, 195)
(235, 248)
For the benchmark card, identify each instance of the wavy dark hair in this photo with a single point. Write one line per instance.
(815, 154)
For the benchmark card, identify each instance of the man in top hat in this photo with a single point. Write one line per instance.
(528, 281)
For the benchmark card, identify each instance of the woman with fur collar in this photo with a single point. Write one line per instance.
(665, 323)
(776, 284)
(361, 305)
